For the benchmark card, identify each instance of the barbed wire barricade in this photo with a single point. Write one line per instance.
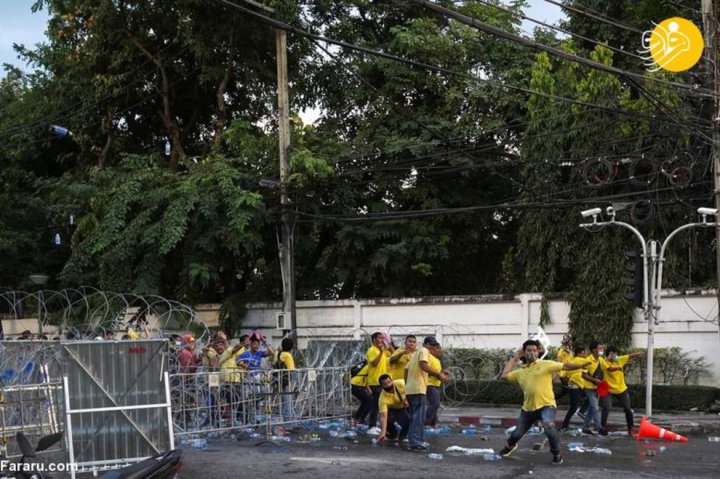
(86, 313)
(222, 401)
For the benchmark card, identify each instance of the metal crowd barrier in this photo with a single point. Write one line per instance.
(212, 400)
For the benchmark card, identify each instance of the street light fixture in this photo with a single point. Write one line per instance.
(39, 280)
(651, 290)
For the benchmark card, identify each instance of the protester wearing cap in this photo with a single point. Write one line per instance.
(416, 390)
(187, 358)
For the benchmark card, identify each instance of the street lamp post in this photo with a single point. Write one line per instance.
(39, 280)
(647, 298)
(652, 269)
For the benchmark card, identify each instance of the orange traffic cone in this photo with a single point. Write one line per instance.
(648, 429)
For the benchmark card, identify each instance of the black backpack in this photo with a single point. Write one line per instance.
(354, 370)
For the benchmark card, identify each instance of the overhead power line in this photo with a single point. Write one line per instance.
(282, 25)
(500, 33)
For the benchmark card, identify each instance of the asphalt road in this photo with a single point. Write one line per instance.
(332, 457)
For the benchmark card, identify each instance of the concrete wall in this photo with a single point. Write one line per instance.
(686, 321)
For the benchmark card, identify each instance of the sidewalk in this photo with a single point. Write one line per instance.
(693, 423)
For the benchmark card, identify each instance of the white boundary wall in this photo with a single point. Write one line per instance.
(687, 321)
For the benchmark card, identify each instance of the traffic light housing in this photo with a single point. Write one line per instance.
(634, 278)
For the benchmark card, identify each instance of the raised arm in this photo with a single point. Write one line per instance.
(511, 363)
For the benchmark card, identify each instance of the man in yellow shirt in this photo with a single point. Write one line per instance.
(377, 362)
(361, 391)
(401, 357)
(535, 380)
(231, 377)
(591, 378)
(615, 377)
(433, 387)
(575, 384)
(283, 361)
(418, 371)
(393, 407)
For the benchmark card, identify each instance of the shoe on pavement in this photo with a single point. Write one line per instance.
(603, 432)
(589, 432)
(507, 450)
(373, 431)
(419, 447)
(557, 460)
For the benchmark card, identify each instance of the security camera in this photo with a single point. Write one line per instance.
(610, 210)
(707, 211)
(591, 212)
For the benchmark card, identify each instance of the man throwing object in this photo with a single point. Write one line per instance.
(535, 380)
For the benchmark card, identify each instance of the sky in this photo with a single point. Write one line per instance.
(19, 25)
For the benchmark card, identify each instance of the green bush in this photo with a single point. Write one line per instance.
(504, 393)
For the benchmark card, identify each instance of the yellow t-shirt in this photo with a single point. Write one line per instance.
(375, 372)
(417, 378)
(592, 368)
(361, 378)
(565, 356)
(228, 366)
(286, 358)
(435, 365)
(397, 370)
(394, 400)
(535, 380)
(616, 379)
(575, 376)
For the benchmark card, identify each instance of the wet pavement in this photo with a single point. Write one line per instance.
(359, 457)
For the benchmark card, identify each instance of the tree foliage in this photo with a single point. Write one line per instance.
(489, 132)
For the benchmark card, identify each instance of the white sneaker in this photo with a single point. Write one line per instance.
(373, 431)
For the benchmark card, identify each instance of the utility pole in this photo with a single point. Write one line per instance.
(710, 30)
(287, 218)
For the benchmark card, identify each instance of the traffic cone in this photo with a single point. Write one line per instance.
(648, 429)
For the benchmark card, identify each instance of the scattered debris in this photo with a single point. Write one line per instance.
(650, 453)
(436, 457)
(469, 451)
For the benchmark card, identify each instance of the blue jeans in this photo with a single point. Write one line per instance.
(593, 413)
(433, 404)
(373, 416)
(418, 411)
(527, 419)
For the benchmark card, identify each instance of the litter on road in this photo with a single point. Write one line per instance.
(470, 451)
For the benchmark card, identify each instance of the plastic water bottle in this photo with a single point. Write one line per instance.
(469, 431)
(200, 444)
(334, 433)
(444, 430)
(485, 429)
(662, 449)
(492, 457)
(435, 457)
(714, 439)
(574, 445)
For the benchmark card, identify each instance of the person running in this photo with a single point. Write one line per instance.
(615, 377)
(575, 384)
(377, 362)
(535, 380)
(393, 407)
(433, 388)
(401, 357)
(418, 371)
(591, 378)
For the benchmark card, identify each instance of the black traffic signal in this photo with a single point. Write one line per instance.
(634, 278)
